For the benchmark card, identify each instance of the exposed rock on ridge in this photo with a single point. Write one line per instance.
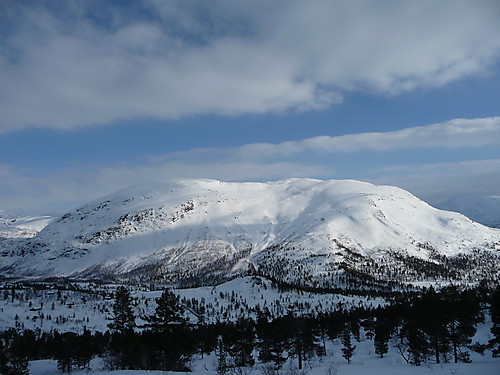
(308, 233)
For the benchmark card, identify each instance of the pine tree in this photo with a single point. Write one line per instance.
(416, 342)
(347, 349)
(171, 334)
(223, 364)
(495, 318)
(84, 349)
(381, 338)
(354, 328)
(13, 360)
(122, 352)
(464, 312)
(3, 358)
(242, 343)
(302, 341)
(432, 315)
(273, 341)
(123, 319)
(19, 366)
(168, 311)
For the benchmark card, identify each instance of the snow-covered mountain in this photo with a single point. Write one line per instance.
(15, 226)
(310, 233)
(484, 209)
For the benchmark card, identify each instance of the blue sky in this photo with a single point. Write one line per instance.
(96, 96)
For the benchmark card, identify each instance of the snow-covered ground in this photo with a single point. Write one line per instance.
(74, 309)
(69, 310)
(15, 226)
(364, 361)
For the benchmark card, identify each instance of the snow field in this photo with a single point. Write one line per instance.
(71, 310)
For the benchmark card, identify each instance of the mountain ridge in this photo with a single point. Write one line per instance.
(22, 226)
(484, 209)
(303, 232)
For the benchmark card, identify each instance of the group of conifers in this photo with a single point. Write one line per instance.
(433, 326)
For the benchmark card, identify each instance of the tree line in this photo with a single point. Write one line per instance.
(436, 326)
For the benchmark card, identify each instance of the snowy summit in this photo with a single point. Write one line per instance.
(304, 232)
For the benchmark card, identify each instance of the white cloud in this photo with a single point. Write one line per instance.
(451, 134)
(59, 190)
(62, 68)
(454, 133)
(439, 182)
(56, 190)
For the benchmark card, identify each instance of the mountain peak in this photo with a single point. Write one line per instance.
(305, 232)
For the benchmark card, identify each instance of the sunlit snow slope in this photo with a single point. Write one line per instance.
(300, 231)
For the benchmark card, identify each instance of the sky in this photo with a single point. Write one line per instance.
(96, 96)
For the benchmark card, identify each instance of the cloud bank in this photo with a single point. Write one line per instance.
(321, 157)
(451, 134)
(65, 64)
(439, 182)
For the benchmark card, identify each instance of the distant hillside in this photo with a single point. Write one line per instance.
(17, 226)
(484, 209)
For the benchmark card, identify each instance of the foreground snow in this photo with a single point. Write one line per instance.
(251, 291)
(364, 362)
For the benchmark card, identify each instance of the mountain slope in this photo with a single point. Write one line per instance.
(312, 233)
(12, 226)
(484, 209)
